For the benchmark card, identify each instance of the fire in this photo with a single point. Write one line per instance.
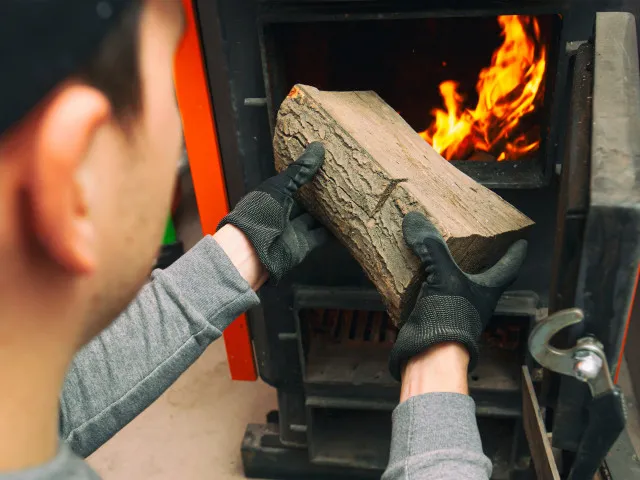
(509, 89)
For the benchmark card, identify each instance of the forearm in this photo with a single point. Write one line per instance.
(435, 434)
(442, 368)
(164, 330)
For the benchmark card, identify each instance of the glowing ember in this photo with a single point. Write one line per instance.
(509, 89)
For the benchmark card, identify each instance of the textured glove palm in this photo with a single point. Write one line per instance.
(274, 223)
(452, 306)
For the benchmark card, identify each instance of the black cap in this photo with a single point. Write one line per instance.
(42, 42)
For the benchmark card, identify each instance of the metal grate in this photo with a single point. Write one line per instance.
(350, 326)
(506, 333)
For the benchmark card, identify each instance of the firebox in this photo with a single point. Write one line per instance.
(536, 99)
(474, 87)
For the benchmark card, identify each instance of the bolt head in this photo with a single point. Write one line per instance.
(588, 365)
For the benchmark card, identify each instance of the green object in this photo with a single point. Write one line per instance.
(170, 234)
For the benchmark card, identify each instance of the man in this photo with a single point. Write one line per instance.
(89, 139)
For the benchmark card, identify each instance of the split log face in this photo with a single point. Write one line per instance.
(377, 168)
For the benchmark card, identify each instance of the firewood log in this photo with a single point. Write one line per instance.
(377, 168)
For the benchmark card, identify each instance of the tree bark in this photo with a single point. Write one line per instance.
(377, 168)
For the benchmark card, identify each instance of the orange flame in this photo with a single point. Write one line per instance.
(509, 89)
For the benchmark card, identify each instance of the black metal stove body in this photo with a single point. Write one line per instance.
(321, 336)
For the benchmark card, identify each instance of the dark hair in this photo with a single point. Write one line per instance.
(114, 68)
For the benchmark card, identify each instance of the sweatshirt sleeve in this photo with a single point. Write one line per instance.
(161, 333)
(435, 436)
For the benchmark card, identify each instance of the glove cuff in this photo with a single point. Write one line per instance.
(258, 216)
(437, 319)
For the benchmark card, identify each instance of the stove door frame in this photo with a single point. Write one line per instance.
(576, 25)
(599, 225)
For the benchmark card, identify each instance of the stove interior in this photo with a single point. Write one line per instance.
(475, 88)
(479, 89)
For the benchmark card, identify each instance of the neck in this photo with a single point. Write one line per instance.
(35, 351)
(29, 407)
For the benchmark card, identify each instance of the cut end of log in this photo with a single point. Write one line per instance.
(295, 91)
(376, 170)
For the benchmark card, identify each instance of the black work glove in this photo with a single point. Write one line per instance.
(452, 306)
(274, 223)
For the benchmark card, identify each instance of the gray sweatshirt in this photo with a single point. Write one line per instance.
(167, 327)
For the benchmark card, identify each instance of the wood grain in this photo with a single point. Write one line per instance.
(541, 453)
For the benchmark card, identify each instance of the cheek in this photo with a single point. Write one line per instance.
(162, 140)
(164, 134)
(165, 128)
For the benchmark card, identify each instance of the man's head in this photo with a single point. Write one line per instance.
(86, 176)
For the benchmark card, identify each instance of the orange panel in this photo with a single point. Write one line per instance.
(206, 168)
(626, 328)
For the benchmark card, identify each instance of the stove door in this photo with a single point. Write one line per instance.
(599, 229)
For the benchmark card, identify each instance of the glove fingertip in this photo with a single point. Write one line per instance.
(312, 158)
(317, 150)
(317, 237)
(516, 255)
(411, 224)
(304, 220)
(307, 165)
(519, 249)
(506, 270)
(418, 232)
(416, 224)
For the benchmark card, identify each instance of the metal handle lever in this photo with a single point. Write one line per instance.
(587, 362)
(606, 422)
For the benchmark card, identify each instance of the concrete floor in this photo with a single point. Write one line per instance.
(195, 429)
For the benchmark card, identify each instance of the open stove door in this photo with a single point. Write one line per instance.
(598, 235)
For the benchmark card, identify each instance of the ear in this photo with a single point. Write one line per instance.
(61, 219)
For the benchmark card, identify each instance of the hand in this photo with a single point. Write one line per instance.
(274, 223)
(452, 306)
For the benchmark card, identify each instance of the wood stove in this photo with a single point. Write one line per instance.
(571, 162)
